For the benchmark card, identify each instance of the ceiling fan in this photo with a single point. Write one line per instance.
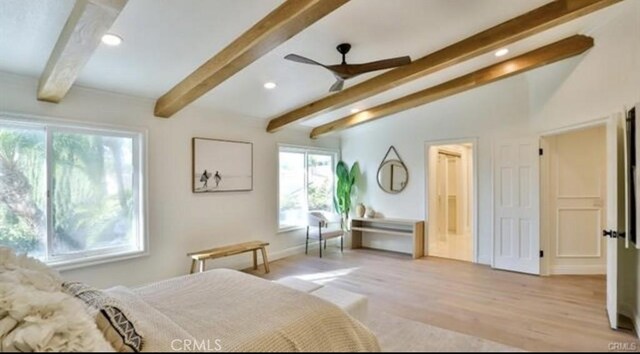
(346, 71)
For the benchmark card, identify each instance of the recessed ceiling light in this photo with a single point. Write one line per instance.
(501, 52)
(111, 39)
(355, 110)
(270, 85)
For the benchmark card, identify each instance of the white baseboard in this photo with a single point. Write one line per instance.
(484, 259)
(577, 269)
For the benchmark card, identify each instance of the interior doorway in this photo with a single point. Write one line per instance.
(574, 194)
(451, 200)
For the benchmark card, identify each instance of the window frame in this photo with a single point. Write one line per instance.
(139, 136)
(335, 155)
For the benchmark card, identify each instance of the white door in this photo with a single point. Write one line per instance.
(577, 201)
(516, 194)
(615, 209)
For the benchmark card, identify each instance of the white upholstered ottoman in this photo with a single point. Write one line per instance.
(352, 303)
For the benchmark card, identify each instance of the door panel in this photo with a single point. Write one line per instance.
(577, 190)
(616, 184)
(516, 206)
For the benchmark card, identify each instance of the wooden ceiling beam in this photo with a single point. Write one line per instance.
(551, 53)
(547, 16)
(277, 27)
(88, 22)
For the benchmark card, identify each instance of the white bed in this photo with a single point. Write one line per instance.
(218, 310)
(231, 311)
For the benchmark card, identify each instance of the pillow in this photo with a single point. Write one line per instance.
(116, 327)
(317, 217)
(21, 269)
(36, 316)
(36, 320)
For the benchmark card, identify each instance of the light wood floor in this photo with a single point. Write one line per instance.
(533, 313)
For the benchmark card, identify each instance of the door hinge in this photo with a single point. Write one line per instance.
(541, 253)
(540, 151)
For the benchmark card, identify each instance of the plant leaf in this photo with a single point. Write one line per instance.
(342, 171)
(346, 179)
(354, 173)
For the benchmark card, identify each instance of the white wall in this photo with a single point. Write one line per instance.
(591, 86)
(179, 221)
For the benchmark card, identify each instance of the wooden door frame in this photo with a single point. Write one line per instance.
(473, 141)
(545, 191)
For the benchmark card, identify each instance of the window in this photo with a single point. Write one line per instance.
(70, 194)
(306, 182)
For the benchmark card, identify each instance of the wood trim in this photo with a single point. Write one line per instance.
(88, 22)
(550, 15)
(551, 53)
(277, 27)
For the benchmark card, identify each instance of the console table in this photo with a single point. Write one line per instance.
(389, 226)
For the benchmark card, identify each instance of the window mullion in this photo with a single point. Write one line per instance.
(306, 181)
(333, 182)
(135, 175)
(49, 188)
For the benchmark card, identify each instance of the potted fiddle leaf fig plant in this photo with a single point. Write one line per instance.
(344, 189)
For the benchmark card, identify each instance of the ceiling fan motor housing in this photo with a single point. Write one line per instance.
(343, 48)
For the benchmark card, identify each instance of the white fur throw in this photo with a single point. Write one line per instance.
(35, 315)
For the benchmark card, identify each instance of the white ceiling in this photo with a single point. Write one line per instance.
(165, 40)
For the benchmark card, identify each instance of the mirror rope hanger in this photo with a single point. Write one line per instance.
(389, 184)
(397, 155)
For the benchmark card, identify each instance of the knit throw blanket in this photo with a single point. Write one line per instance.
(225, 310)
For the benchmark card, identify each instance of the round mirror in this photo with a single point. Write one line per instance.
(393, 176)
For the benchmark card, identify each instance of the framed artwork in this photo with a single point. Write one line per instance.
(221, 165)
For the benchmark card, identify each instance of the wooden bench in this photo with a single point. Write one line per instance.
(230, 250)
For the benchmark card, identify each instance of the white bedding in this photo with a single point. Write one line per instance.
(231, 311)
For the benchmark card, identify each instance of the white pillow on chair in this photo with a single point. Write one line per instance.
(315, 218)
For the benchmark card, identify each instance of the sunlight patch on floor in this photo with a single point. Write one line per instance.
(326, 277)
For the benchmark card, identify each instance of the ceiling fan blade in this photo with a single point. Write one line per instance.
(300, 59)
(356, 69)
(337, 86)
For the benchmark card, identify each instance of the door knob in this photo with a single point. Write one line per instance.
(609, 233)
